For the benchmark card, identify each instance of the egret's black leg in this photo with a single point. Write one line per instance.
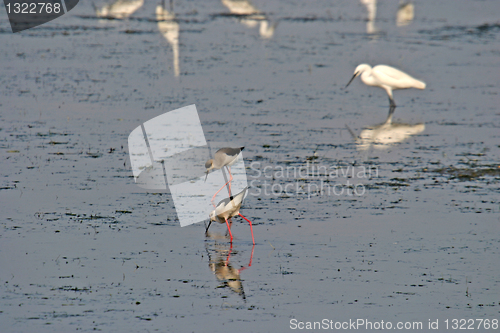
(391, 111)
(391, 103)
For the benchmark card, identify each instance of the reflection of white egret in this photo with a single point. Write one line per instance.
(119, 9)
(386, 77)
(253, 17)
(406, 12)
(384, 135)
(387, 134)
(371, 7)
(169, 28)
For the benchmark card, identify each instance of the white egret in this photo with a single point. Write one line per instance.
(386, 77)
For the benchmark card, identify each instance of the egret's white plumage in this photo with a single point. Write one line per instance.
(387, 78)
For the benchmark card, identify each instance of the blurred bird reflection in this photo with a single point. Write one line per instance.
(371, 7)
(385, 135)
(119, 9)
(219, 255)
(405, 14)
(251, 16)
(169, 28)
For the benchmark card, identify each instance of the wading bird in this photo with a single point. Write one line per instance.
(119, 9)
(228, 208)
(386, 77)
(224, 157)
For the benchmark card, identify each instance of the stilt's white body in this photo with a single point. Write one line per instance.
(228, 208)
(223, 157)
(387, 78)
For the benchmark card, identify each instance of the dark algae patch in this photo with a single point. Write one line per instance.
(465, 174)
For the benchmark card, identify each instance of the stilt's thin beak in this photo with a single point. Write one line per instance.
(206, 230)
(206, 176)
(353, 77)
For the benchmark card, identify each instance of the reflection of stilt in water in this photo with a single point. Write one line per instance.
(252, 18)
(224, 272)
(371, 7)
(119, 9)
(387, 134)
(169, 28)
(405, 15)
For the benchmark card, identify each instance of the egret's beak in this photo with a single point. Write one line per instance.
(206, 176)
(353, 77)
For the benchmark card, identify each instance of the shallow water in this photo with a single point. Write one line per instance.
(82, 247)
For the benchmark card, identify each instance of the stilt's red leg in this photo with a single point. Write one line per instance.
(229, 229)
(250, 263)
(229, 190)
(230, 180)
(251, 256)
(251, 229)
(229, 254)
(217, 193)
